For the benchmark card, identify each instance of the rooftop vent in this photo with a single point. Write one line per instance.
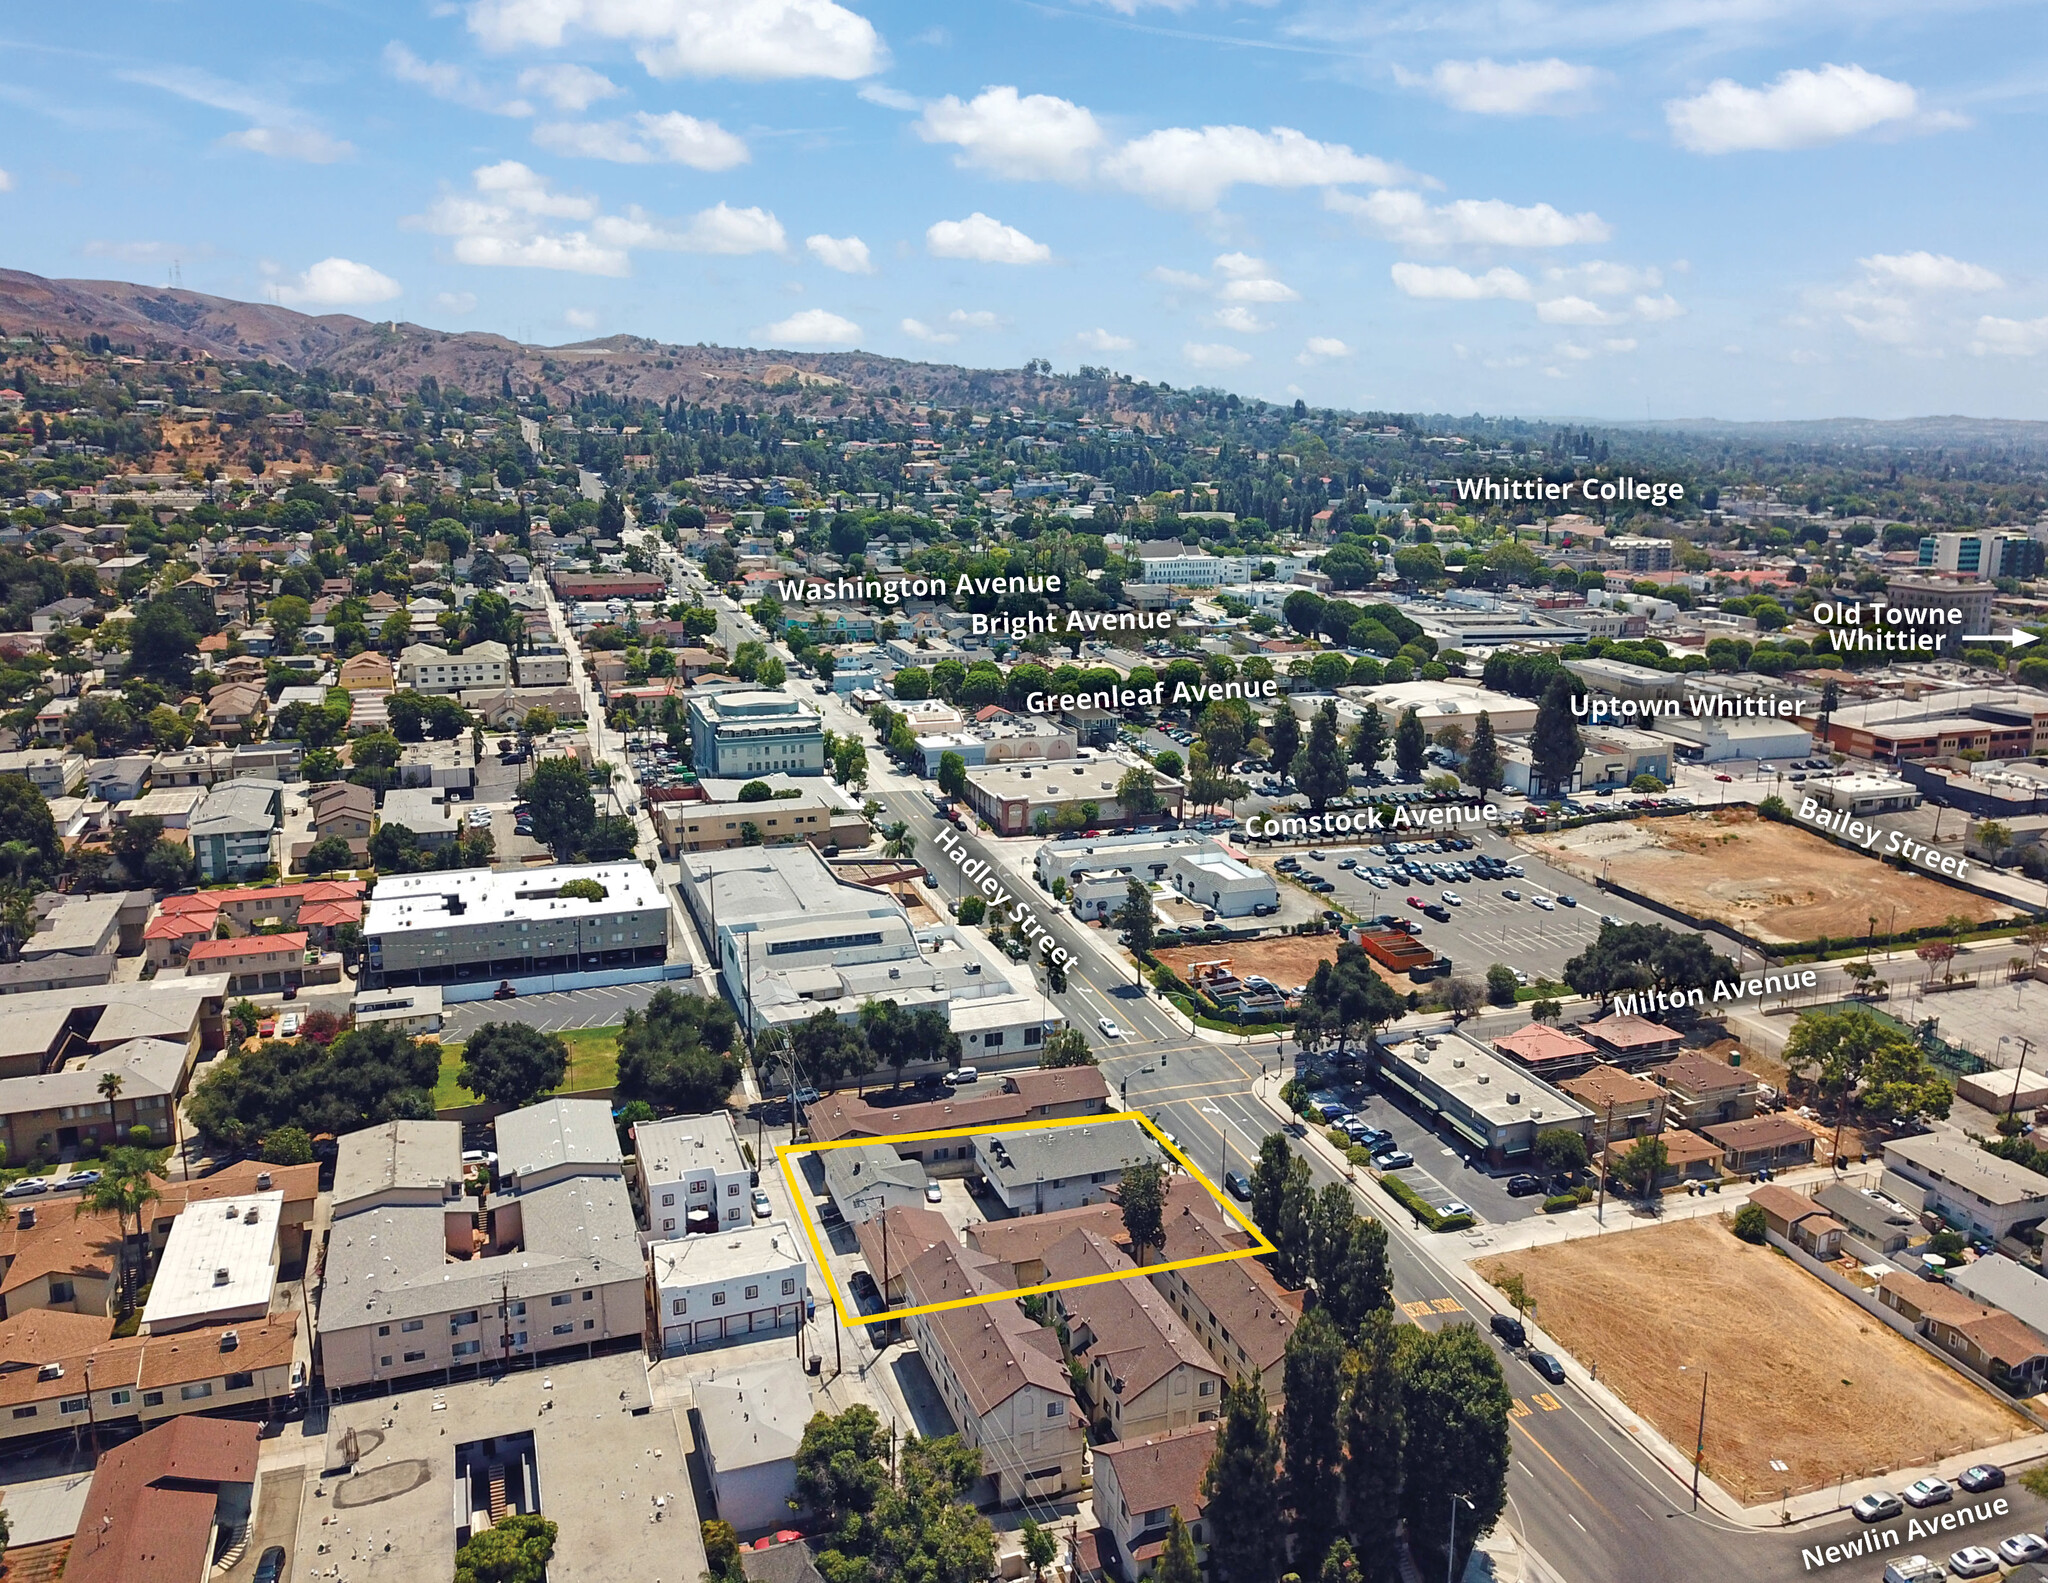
(249, 1219)
(234, 1213)
(229, 1340)
(1514, 1096)
(1483, 1078)
(262, 1181)
(220, 1276)
(26, 1216)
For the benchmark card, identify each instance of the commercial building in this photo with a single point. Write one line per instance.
(1985, 555)
(1970, 600)
(1020, 799)
(1997, 722)
(749, 1282)
(1000, 1375)
(745, 732)
(426, 668)
(693, 1176)
(1970, 1189)
(1519, 625)
(438, 928)
(750, 1424)
(231, 831)
(1451, 703)
(1863, 794)
(1030, 739)
(793, 938)
(418, 1281)
(716, 825)
(1196, 866)
(1062, 1167)
(1496, 1106)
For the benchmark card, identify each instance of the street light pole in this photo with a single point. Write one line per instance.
(1699, 1449)
(1451, 1554)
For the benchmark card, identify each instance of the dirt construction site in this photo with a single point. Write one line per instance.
(1288, 960)
(1773, 881)
(1799, 1374)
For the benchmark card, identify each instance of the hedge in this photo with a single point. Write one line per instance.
(1559, 1204)
(1456, 1223)
(1415, 1203)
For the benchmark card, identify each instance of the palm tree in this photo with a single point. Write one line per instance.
(111, 1084)
(901, 842)
(124, 1191)
(17, 918)
(17, 855)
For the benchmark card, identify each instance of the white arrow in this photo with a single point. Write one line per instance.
(2016, 638)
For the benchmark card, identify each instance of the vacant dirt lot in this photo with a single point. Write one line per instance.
(1799, 1373)
(1776, 881)
(1289, 961)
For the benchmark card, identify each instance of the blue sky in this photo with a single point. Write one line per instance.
(1610, 208)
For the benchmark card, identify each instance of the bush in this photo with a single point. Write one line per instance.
(1415, 1203)
(1358, 1154)
(1750, 1225)
(1456, 1223)
(1560, 1202)
(140, 1136)
(286, 1146)
(1339, 1139)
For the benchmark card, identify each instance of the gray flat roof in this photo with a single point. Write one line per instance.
(676, 1144)
(423, 1155)
(1968, 1167)
(1486, 1082)
(557, 1132)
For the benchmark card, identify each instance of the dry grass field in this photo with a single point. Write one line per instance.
(1799, 1373)
(1775, 881)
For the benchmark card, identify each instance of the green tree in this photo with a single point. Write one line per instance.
(839, 1472)
(756, 791)
(1294, 1240)
(327, 854)
(1375, 1444)
(1319, 769)
(1283, 739)
(564, 811)
(1039, 1548)
(286, 1146)
(1134, 918)
(1560, 1151)
(1241, 1490)
(952, 774)
(1141, 1193)
(1555, 745)
(1311, 1436)
(1410, 745)
(972, 910)
(1482, 758)
(1269, 1182)
(1067, 1047)
(676, 1053)
(124, 1190)
(722, 1553)
(1178, 1562)
(29, 848)
(1639, 1168)
(1341, 1565)
(1455, 1406)
(1369, 739)
(1855, 1059)
(1751, 1224)
(512, 1064)
(515, 1549)
(162, 643)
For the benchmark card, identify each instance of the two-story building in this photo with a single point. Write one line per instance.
(1061, 1167)
(1970, 1189)
(1703, 1091)
(1623, 1105)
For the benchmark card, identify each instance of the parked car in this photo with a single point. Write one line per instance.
(1544, 902)
(1547, 1366)
(28, 1187)
(1510, 1330)
(1567, 901)
(1239, 1188)
(1393, 1160)
(79, 1179)
(1984, 1476)
(1455, 1208)
(762, 1208)
(1974, 1561)
(1512, 895)
(1523, 1186)
(2022, 1548)
(961, 1077)
(271, 1567)
(1876, 1507)
(1927, 1492)
(505, 990)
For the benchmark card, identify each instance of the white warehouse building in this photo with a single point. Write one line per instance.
(1217, 880)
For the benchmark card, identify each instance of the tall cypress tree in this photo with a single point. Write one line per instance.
(1555, 746)
(1283, 738)
(1241, 1490)
(1369, 740)
(1311, 1433)
(1375, 1442)
(1482, 758)
(1319, 768)
(1408, 745)
(1178, 1562)
(1456, 1406)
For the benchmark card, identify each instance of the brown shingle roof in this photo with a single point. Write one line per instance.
(1026, 1239)
(992, 1348)
(1782, 1202)
(1699, 1074)
(59, 1243)
(1758, 1132)
(133, 1527)
(1163, 1470)
(1137, 1335)
(849, 1115)
(1605, 1085)
(2003, 1338)
(1680, 1148)
(1628, 1033)
(911, 1232)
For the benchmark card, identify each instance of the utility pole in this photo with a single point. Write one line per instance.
(1606, 1142)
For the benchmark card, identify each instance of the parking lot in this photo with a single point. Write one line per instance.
(1485, 927)
(575, 1008)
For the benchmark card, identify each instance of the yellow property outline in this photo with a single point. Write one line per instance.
(786, 1153)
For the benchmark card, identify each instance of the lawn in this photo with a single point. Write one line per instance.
(593, 1063)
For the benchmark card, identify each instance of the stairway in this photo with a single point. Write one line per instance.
(499, 1505)
(238, 1544)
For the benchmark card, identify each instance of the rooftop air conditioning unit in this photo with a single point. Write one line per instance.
(262, 1181)
(249, 1219)
(220, 1276)
(50, 1371)
(1514, 1097)
(229, 1340)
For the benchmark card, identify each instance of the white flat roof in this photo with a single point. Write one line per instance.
(403, 902)
(237, 1236)
(678, 1144)
(723, 1255)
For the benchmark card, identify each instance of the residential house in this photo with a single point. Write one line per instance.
(749, 1281)
(1688, 1157)
(1967, 1187)
(424, 811)
(1549, 1052)
(58, 614)
(1624, 1106)
(542, 667)
(118, 779)
(190, 767)
(232, 706)
(161, 1505)
(42, 1113)
(231, 831)
(256, 964)
(1799, 1220)
(750, 1424)
(1139, 1485)
(1876, 1227)
(1002, 1376)
(368, 671)
(53, 1258)
(1632, 1041)
(317, 908)
(865, 1179)
(1704, 1091)
(1022, 1243)
(1762, 1143)
(1037, 1094)
(1146, 1372)
(1987, 1340)
(339, 808)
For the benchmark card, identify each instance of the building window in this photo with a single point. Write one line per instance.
(718, 1299)
(413, 1324)
(558, 1300)
(1052, 1409)
(1208, 1388)
(415, 1357)
(566, 1330)
(588, 1295)
(156, 1398)
(61, 1291)
(71, 1404)
(732, 1189)
(193, 1393)
(590, 1324)
(120, 1398)
(241, 1382)
(668, 1200)
(466, 1349)
(24, 1412)
(789, 1286)
(753, 1292)
(680, 1305)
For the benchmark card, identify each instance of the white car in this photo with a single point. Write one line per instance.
(963, 1077)
(28, 1187)
(1109, 1028)
(932, 1194)
(1976, 1562)
(1455, 1208)
(2022, 1548)
(762, 1208)
(1453, 899)
(1927, 1492)
(1544, 902)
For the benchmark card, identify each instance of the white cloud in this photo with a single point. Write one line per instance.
(1620, 343)
(6, 182)
(2010, 337)
(277, 130)
(718, 229)
(336, 283)
(1213, 354)
(1259, 290)
(1179, 278)
(1033, 137)
(1572, 310)
(978, 319)
(455, 301)
(1576, 353)
(984, 241)
(918, 330)
(1598, 278)
(1242, 320)
(1443, 281)
(307, 143)
(1523, 87)
(1192, 168)
(1103, 341)
(847, 254)
(569, 87)
(506, 222)
(1238, 266)
(133, 252)
(1467, 222)
(1930, 272)
(813, 327)
(674, 139)
(1320, 348)
(698, 38)
(450, 82)
(579, 318)
(890, 98)
(1801, 109)
(1658, 309)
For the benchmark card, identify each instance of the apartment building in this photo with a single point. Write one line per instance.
(53, 772)
(694, 1176)
(1139, 1485)
(1984, 555)
(1701, 1091)
(1623, 1105)
(999, 1374)
(427, 668)
(255, 963)
(869, 1178)
(1061, 1167)
(490, 923)
(747, 1282)
(232, 831)
(1236, 1310)
(715, 826)
(418, 1281)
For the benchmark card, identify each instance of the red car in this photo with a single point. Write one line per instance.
(1415, 901)
(1724, 777)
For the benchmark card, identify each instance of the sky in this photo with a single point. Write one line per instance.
(1621, 209)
